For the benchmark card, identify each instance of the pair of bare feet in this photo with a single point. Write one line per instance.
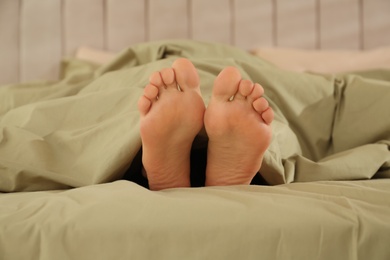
(237, 121)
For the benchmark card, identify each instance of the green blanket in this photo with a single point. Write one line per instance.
(84, 129)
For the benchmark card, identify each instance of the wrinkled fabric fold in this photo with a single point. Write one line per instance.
(83, 129)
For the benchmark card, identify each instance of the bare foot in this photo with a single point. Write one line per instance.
(238, 129)
(172, 113)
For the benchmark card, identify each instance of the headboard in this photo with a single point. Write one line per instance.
(35, 35)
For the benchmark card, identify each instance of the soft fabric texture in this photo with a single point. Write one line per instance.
(83, 129)
(326, 61)
(299, 60)
(83, 132)
(121, 220)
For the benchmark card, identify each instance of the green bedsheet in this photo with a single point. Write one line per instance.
(121, 220)
(83, 129)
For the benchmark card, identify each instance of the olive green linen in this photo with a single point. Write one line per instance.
(121, 220)
(83, 129)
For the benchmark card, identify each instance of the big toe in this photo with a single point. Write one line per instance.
(186, 75)
(226, 84)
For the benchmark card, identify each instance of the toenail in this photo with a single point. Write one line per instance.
(178, 87)
(231, 98)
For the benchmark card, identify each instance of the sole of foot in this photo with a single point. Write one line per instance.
(171, 111)
(237, 122)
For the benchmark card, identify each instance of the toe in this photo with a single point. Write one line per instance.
(155, 79)
(244, 89)
(168, 77)
(256, 93)
(151, 92)
(185, 74)
(226, 84)
(268, 116)
(144, 105)
(260, 105)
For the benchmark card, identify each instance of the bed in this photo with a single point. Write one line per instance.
(71, 183)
